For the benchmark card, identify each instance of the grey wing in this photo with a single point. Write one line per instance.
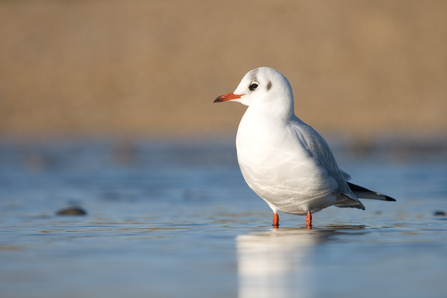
(345, 175)
(320, 150)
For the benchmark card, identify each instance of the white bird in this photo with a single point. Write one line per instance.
(284, 160)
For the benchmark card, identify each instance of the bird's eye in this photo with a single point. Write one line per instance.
(253, 86)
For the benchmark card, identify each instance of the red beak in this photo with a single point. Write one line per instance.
(227, 97)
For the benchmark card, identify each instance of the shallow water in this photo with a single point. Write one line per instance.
(176, 219)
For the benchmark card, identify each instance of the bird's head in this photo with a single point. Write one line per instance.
(262, 86)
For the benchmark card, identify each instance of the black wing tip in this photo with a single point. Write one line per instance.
(355, 187)
(390, 199)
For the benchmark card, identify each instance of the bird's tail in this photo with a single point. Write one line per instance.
(364, 193)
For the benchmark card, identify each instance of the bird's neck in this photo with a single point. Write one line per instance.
(280, 111)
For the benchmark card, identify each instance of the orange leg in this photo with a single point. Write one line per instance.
(275, 220)
(309, 220)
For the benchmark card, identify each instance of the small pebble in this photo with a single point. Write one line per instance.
(439, 213)
(72, 211)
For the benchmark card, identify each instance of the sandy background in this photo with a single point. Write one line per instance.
(155, 67)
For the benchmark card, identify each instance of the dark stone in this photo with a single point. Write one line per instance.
(439, 213)
(72, 211)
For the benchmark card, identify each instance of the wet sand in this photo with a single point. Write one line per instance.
(178, 220)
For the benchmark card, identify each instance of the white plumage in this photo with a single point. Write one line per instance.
(284, 160)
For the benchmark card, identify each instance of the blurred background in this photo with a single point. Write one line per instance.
(106, 112)
(153, 68)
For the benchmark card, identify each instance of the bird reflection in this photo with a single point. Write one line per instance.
(277, 263)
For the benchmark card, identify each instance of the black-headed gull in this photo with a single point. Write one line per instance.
(284, 160)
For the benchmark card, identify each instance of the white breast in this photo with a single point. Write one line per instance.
(278, 167)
